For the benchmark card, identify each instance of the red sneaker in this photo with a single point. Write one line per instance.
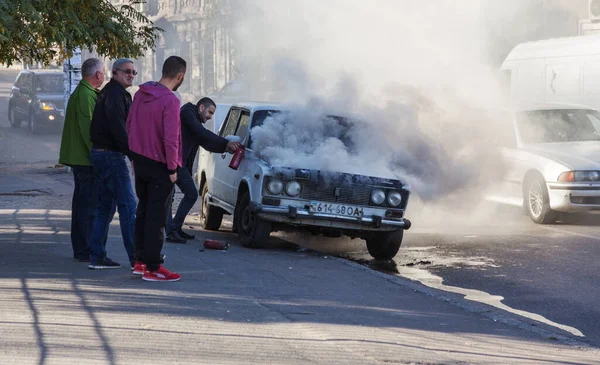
(139, 268)
(161, 274)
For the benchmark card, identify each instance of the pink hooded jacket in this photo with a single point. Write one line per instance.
(153, 125)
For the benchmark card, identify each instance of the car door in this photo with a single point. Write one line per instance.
(15, 93)
(24, 98)
(16, 96)
(230, 177)
(221, 173)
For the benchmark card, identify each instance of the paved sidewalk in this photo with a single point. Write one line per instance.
(271, 306)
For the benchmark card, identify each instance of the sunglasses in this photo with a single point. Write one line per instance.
(128, 71)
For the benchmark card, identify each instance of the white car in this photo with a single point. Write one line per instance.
(264, 198)
(554, 164)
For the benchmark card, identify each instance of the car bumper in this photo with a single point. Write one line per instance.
(370, 221)
(54, 117)
(571, 198)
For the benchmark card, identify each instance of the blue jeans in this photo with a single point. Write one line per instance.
(113, 185)
(83, 210)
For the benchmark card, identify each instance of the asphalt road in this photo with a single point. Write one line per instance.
(494, 255)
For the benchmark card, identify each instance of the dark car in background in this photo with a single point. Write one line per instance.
(37, 98)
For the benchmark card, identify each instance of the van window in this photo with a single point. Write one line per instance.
(563, 79)
(591, 79)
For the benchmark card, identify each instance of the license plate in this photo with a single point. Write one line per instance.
(336, 209)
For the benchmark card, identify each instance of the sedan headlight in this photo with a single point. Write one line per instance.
(394, 198)
(378, 196)
(275, 187)
(47, 106)
(579, 176)
(292, 189)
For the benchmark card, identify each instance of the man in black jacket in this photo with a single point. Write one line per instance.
(110, 146)
(194, 135)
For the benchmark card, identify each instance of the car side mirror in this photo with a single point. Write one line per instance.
(233, 138)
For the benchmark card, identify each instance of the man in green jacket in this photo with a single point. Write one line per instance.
(75, 150)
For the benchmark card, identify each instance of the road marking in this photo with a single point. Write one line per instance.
(436, 282)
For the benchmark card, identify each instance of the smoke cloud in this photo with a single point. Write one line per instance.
(416, 74)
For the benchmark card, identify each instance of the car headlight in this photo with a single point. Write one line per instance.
(47, 106)
(394, 198)
(378, 196)
(292, 189)
(579, 176)
(275, 186)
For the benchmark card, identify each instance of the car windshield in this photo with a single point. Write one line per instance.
(341, 129)
(49, 83)
(551, 126)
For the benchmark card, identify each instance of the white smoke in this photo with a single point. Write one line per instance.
(417, 73)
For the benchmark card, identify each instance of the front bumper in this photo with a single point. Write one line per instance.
(303, 217)
(574, 197)
(50, 117)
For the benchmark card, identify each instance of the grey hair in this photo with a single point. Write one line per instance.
(91, 66)
(121, 61)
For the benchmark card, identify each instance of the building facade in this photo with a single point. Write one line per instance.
(199, 31)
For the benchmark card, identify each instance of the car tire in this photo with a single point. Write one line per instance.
(385, 245)
(537, 202)
(12, 118)
(252, 231)
(34, 126)
(210, 217)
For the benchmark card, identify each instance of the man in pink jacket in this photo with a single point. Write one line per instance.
(154, 130)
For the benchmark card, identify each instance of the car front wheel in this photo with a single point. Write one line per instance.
(537, 202)
(253, 231)
(385, 245)
(13, 119)
(34, 126)
(210, 217)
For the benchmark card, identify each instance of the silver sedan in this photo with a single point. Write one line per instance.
(554, 164)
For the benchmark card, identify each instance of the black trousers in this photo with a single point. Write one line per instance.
(186, 184)
(155, 191)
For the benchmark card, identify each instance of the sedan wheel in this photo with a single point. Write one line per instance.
(538, 202)
(210, 217)
(33, 124)
(253, 231)
(12, 118)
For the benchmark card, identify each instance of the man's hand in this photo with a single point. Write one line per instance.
(232, 146)
(173, 178)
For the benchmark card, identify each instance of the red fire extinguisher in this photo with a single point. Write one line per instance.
(216, 245)
(238, 155)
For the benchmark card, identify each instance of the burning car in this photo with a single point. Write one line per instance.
(264, 197)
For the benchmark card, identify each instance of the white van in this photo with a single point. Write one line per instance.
(563, 70)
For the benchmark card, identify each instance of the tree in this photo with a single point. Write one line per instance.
(47, 30)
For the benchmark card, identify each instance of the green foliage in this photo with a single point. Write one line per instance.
(46, 30)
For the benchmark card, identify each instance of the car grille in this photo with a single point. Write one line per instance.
(349, 193)
(339, 188)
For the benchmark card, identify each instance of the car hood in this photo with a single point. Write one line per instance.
(575, 155)
(50, 97)
(328, 177)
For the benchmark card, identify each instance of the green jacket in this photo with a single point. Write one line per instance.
(76, 144)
